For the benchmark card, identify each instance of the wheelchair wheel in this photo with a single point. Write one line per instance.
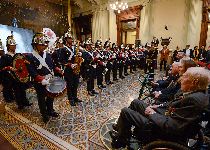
(164, 145)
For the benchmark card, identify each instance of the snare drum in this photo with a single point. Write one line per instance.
(56, 87)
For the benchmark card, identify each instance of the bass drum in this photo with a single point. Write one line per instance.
(20, 64)
(56, 87)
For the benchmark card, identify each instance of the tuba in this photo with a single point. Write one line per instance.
(77, 60)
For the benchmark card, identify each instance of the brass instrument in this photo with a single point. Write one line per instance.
(77, 60)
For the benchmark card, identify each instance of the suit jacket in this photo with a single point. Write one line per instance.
(176, 117)
(191, 52)
(164, 54)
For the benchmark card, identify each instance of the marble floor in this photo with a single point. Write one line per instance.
(81, 126)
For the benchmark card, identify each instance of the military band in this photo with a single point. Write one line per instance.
(104, 64)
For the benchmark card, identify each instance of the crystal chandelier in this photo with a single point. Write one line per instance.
(119, 6)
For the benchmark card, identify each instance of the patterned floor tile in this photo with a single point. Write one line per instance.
(80, 125)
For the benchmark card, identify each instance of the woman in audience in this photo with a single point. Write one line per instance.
(173, 118)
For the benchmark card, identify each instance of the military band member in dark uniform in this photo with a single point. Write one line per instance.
(67, 61)
(99, 60)
(41, 69)
(115, 61)
(108, 59)
(126, 60)
(89, 67)
(121, 60)
(12, 88)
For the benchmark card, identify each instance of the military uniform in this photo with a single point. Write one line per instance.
(41, 68)
(90, 71)
(12, 88)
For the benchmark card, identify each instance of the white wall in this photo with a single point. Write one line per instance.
(182, 17)
(170, 13)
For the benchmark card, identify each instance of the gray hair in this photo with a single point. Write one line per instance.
(200, 77)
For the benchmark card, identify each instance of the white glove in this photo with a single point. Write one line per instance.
(97, 56)
(123, 55)
(104, 64)
(106, 69)
(45, 82)
(73, 66)
(80, 54)
(48, 76)
(94, 66)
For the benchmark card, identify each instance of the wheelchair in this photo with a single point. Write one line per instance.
(145, 81)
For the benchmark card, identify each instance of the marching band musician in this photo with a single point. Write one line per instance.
(121, 60)
(89, 67)
(107, 54)
(41, 69)
(67, 60)
(115, 61)
(99, 60)
(141, 57)
(127, 60)
(12, 89)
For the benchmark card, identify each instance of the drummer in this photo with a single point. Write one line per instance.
(12, 88)
(41, 69)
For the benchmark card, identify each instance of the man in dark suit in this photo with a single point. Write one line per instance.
(188, 51)
(173, 118)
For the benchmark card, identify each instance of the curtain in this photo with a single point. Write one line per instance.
(69, 13)
(194, 22)
(100, 28)
(112, 27)
(145, 23)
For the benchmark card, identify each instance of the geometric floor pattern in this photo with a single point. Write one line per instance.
(81, 125)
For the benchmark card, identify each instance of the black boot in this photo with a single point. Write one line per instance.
(45, 118)
(116, 141)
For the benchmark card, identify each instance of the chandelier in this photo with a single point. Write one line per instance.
(119, 6)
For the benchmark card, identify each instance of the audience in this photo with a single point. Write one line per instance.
(173, 117)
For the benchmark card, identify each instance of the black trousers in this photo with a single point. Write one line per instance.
(72, 82)
(133, 115)
(14, 90)
(163, 62)
(114, 70)
(99, 74)
(107, 75)
(45, 103)
(90, 84)
(126, 68)
(8, 91)
(120, 69)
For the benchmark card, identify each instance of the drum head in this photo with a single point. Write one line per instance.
(19, 63)
(56, 87)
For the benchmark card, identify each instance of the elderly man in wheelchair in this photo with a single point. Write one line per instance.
(173, 120)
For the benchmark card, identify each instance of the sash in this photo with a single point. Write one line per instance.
(72, 53)
(42, 61)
